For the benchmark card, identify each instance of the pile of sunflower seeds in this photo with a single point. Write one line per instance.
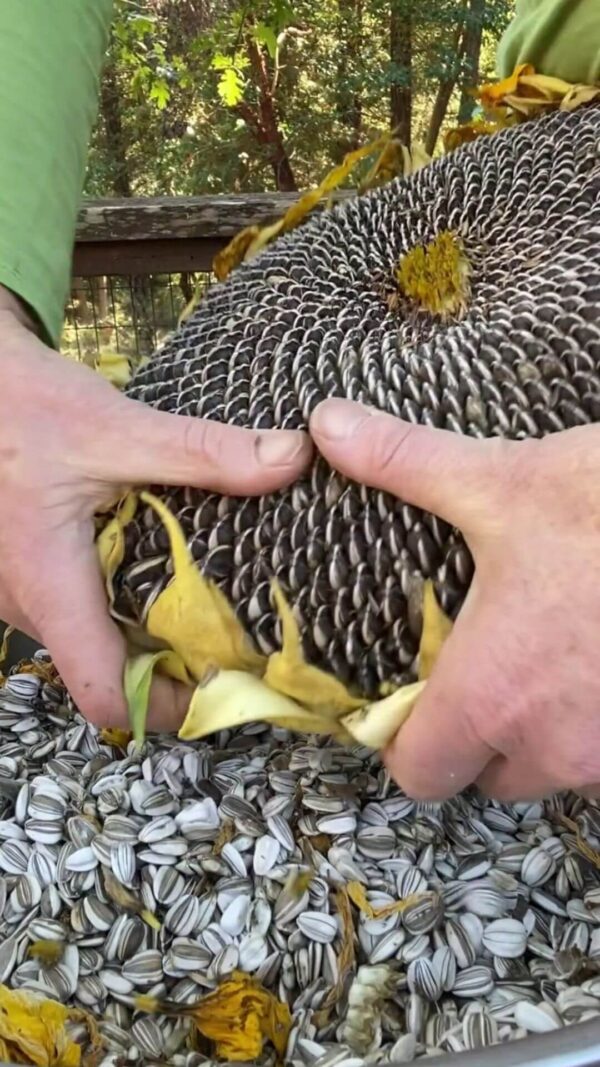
(242, 850)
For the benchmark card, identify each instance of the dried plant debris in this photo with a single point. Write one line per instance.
(524, 95)
(436, 277)
(393, 159)
(273, 896)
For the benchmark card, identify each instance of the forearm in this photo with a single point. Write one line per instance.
(51, 54)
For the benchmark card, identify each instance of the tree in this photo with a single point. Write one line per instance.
(401, 68)
(233, 95)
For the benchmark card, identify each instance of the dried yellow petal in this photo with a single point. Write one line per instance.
(9, 631)
(527, 93)
(358, 896)
(246, 244)
(233, 698)
(377, 724)
(436, 628)
(127, 900)
(490, 95)
(110, 543)
(115, 367)
(193, 617)
(288, 673)
(238, 1017)
(113, 735)
(233, 254)
(579, 95)
(34, 1031)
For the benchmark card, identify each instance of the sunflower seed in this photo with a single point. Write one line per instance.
(318, 926)
(505, 937)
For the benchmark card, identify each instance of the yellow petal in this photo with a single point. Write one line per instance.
(550, 88)
(193, 617)
(233, 698)
(110, 543)
(126, 899)
(358, 896)
(47, 952)
(288, 673)
(494, 93)
(376, 724)
(114, 367)
(233, 254)
(251, 240)
(579, 95)
(239, 1016)
(436, 628)
(263, 238)
(34, 1031)
(139, 671)
(116, 737)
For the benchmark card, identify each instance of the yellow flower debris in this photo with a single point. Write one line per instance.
(33, 1031)
(436, 277)
(239, 1017)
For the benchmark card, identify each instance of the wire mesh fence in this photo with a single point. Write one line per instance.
(129, 315)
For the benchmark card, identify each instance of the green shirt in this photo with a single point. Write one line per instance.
(51, 54)
(558, 37)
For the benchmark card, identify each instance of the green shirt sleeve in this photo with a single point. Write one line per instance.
(560, 38)
(51, 54)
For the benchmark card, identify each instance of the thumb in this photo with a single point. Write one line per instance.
(451, 475)
(147, 446)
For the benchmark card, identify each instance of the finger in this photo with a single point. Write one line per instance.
(515, 779)
(153, 447)
(437, 752)
(67, 606)
(169, 702)
(446, 473)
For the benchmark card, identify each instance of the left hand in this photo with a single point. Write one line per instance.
(513, 704)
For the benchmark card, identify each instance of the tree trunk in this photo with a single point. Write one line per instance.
(472, 54)
(348, 97)
(446, 87)
(401, 62)
(110, 99)
(263, 121)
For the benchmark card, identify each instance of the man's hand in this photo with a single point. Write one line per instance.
(514, 701)
(70, 443)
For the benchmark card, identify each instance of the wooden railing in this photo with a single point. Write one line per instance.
(167, 234)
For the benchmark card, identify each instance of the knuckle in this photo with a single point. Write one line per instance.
(389, 441)
(196, 439)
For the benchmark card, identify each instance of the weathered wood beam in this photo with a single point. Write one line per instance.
(165, 218)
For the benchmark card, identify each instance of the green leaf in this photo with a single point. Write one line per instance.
(161, 93)
(220, 62)
(231, 87)
(266, 35)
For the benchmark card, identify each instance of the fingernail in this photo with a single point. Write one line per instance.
(281, 448)
(339, 419)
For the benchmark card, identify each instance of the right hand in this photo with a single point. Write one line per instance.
(70, 443)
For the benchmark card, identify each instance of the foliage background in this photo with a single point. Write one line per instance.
(221, 96)
(209, 96)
